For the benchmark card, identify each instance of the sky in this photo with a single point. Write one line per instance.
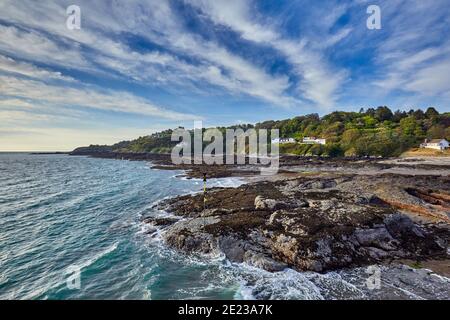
(136, 67)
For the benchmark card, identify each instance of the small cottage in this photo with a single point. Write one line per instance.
(283, 140)
(314, 140)
(438, 144)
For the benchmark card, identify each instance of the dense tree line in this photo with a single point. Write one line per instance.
(370, 132)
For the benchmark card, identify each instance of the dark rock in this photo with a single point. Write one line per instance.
(232, 248)
(400, 225)
(160, 221)
(261, 203)
(272, 225)
(378, 237)
(263, 261)
(322, 184)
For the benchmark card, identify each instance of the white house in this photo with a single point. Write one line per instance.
(314, 140)
(183, 144)
(438, 144)
(283, 140)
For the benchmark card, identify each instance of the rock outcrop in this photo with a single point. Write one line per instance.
(314, 223)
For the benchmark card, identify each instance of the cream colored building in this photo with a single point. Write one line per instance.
(314, 140)
(438, 144)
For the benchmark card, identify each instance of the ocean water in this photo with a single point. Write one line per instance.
(59, 212)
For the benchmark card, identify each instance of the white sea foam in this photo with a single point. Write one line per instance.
(231, 182)
(88, 262)
(51, 285)
(284, 285)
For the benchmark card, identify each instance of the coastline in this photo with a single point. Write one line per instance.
(231, 215)
(289, 164)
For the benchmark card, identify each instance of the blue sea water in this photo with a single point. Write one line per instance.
(59, 211)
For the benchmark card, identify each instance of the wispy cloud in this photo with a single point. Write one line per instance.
(63, 139)
(213, 63)
(35, 46)
(109, 100)
(414, 56)
(26, 69)
(178, 60)
(319, 83)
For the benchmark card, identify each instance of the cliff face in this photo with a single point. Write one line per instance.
(316, 223)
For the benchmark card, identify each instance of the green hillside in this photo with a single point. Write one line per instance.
(371, 132)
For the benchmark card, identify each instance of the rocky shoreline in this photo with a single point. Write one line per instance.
(288, 164)
(310, 223)
(316, 214)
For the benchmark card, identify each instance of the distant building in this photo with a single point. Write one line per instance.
(438, 144)
(314, 140)
(182, 144)
(283, 140)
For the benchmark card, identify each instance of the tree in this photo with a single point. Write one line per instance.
(383, 114)
(431, 112)
(317, 149)
(335, 129)
(408, 125)
(370, 112)
(334, 150)
(349, 137)
(399, 115)
(419, 114)
(436, 132)
(369, 122)
(447, 133)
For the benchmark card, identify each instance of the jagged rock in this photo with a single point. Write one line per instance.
(232, 248)
(300, 203)
(323, 248)
(189, 236)
(376, 253)
(326, 205)
(273, 217)
(261, 203)
(264, 262)
(191, 243)
(158, 221)
(327, 184)
(330, 226)
(367, 198)
(400, 225)
(209, 212)
(378, 237)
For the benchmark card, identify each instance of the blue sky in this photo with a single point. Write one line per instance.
(136, 67)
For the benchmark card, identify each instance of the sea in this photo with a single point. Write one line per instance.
(71, 228)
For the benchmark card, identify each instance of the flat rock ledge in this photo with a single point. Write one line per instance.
(313, 223)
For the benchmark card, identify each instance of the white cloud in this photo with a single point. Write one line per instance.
(63, 139)
(230, 70)
(109, 100)
(16, 117)
(431, 80)
(10, 65)
(414, 58)
(32, 45)
(319, 83)
(152, 19)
